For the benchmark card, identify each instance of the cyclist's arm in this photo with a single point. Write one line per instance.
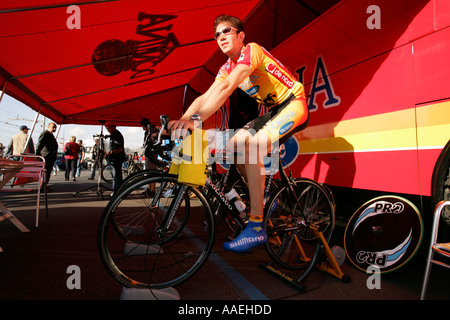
(208, 103)
(184, 122)
(221, 90)
(194, 107)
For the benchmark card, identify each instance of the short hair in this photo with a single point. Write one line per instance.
(145, 122)
(73, 138)
(110, 124)
(233, 21)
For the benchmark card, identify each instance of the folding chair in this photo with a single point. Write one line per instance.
(442, 249)
(33, 171)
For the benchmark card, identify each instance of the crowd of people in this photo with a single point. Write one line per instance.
(74, 152)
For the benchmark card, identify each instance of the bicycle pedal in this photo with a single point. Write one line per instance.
(443, 246)
(230, 238)
(242, 253)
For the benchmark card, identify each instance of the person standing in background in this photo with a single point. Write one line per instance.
(116, 153)
(149, 129)
(2, 149)
(81, 156)
(47, 147)
(95, 159)
(18, 144)
(71, 151)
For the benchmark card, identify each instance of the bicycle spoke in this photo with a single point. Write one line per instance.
(287, 217)
(148, 242)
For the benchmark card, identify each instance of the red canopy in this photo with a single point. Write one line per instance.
(123, 60)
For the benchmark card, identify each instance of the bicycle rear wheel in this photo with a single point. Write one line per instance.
(135, 247)
(292, 244)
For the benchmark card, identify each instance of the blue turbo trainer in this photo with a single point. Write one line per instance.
(252, 236)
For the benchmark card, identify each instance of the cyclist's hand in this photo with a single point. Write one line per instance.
(181, 128)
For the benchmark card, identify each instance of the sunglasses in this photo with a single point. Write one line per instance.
(226, 30)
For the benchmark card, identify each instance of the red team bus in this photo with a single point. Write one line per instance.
(377, 78)
(379, 95)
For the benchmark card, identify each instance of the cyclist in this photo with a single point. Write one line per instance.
(255, 71)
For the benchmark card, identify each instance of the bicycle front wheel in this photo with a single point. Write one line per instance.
(135, 177)
(288, 215)
(155, 239)
(107, 171)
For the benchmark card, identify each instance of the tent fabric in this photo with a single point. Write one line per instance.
(85, 61)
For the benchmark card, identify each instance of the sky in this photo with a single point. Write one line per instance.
(14, 114)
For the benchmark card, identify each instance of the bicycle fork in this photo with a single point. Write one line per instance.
(178, 191)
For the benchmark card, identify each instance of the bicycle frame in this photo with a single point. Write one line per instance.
(235, 214)
(223, 201)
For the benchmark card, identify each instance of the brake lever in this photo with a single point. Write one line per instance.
(164, 123)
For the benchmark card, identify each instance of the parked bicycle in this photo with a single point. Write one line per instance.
(106, 170)
(131, 166)
(161, 239)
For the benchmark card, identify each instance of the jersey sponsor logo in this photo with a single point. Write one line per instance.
(281, 121)
(280, 75)
(252, 90)
(285, 128)
(247, 85)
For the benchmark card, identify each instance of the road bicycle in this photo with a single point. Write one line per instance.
(105, 168)
(131, 166)
(161, 239)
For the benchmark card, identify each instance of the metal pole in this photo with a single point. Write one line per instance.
(32, 128)
(3, 90)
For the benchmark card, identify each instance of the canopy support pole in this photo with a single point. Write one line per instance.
(32, 127)
(3, 90)
(184, 99)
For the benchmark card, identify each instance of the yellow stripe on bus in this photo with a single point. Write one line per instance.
(433, 124)
(393, 139)
(389, 131)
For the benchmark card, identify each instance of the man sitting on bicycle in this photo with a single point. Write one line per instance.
(254, 70)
